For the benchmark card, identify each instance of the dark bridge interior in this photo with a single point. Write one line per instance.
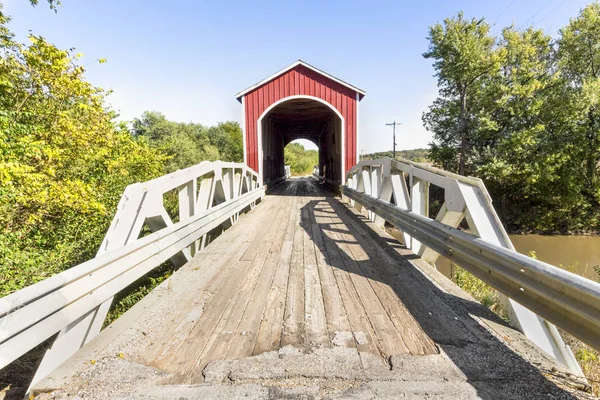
(301, 119)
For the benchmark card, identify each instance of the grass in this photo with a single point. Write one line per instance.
(484, 293)
(588, 358)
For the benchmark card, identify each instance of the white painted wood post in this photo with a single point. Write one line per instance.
(187, 207)
(446, 217)
(419, 204)
(375, 189)
(402, 197)
(122, 230)
(482, 220)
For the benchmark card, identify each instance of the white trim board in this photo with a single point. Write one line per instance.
(244, 129)
(291, 66)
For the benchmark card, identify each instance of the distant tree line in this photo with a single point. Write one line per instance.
(187, 144)
(416, 155)
(300, 160)
(522, 111)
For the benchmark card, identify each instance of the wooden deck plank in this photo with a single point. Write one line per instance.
(210, 260)
(337, 318)
(357, 316)
(316, 322)
(269, 334)
(415, 340)
(388, 339)
(202, 334)
(434, 316)
(219, 342)
(313, 272)
(242, 344)
(293, 322)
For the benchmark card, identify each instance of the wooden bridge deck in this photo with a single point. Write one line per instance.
(303, 299)
(297, 272)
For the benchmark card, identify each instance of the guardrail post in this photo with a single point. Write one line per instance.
(464, 197)
(187, 207)
(375, 177)
(484, 223)
(402, 198)
(80, 316)
(123, 229)
(446, 217)
(419, 205)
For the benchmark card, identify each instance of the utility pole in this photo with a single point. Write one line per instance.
(393, 125)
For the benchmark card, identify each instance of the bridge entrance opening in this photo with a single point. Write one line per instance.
(301, 118)
(302, 156)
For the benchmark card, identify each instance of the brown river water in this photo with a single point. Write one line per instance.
(578, 254)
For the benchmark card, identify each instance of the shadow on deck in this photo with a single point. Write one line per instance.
(453, 323)
(304, 274)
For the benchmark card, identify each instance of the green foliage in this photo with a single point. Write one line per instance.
(481, 291)
(463, 54)
(530, 124)
(128, 297)
(63, 162)
(300, 160)
(416, 155)
(190, 143)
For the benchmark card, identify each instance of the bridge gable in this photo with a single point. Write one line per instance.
(297, 81)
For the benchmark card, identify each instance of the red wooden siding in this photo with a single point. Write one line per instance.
(300, 81)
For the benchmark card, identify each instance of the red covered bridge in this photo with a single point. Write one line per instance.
(301, 102)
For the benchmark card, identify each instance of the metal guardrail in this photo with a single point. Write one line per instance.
(538, 294)
(74, 303)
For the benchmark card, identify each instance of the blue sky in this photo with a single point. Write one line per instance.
(187, 59)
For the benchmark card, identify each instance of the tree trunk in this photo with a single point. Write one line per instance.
(462, 126)
(592, 158)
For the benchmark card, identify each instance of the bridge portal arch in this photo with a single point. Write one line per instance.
(298, 102)
(301, 117)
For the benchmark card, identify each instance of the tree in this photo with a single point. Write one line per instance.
(64, 162)
(300, 160)
(579, 60)
(532, 119)
(188, 144)
(464, 53)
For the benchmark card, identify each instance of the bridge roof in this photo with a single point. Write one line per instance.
(239, 95)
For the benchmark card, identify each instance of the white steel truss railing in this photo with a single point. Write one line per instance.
(397, 191)
(75, 302)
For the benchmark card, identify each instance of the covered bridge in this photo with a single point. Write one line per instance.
(301, 102)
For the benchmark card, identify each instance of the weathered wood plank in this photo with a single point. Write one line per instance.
(388, 339)
(269, 334)
(242, 344)
(293, 322)
(337, 319)
(359, 322)
(415, 340)
(219, 342)
(316, 322)
(211, 261)
(435, 316)
(202, 334)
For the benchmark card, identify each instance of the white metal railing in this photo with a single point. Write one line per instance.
(75, 302)
(530, 286)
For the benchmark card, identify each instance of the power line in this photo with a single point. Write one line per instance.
(555, 8)
(536, 13)
(503, 11)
